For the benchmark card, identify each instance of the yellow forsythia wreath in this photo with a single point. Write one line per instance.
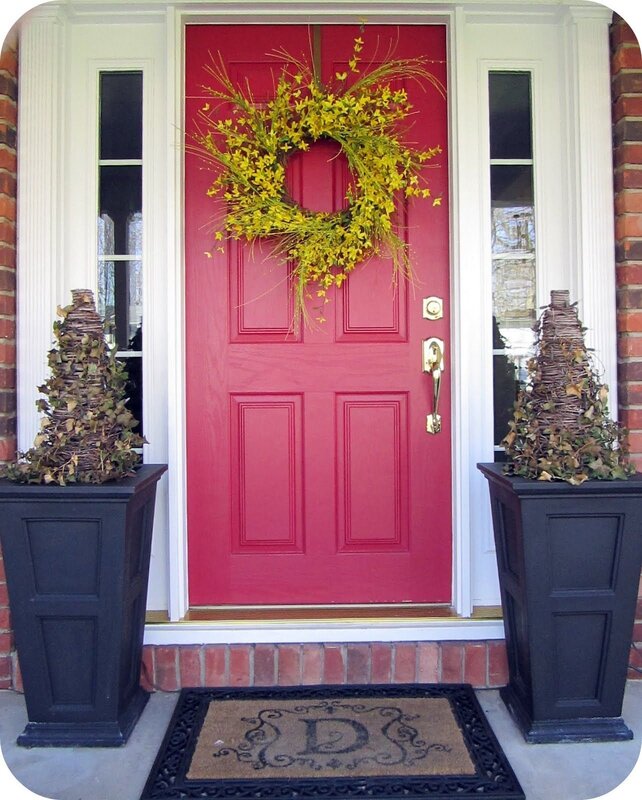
(250, 150)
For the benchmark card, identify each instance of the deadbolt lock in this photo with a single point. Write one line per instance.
(433, 308)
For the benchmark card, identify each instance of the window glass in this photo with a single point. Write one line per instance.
(514, 262)
(120, 223)
(121, 115)
(510, 115)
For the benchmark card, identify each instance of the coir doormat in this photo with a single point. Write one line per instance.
(410, 741)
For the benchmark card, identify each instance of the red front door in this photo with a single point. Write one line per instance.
(311, 477)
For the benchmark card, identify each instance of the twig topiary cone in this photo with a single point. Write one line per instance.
(560, 428)
(86, 432)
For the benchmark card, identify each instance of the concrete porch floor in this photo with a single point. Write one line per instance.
(546, 772)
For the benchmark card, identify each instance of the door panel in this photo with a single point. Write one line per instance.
(311, 478)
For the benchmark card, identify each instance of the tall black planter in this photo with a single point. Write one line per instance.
(569, 561)
(77, 564)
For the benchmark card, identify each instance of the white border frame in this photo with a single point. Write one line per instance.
(43, 274)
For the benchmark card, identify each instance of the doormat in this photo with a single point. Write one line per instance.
(388, 741)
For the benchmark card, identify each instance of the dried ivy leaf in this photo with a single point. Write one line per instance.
(86, 432)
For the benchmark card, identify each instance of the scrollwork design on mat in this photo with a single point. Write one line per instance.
(330, 735)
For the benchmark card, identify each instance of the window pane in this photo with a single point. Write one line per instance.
(510, 115)
(121, 201)
(511, 185)
(121, 115)
(120, 302)
(134, 388)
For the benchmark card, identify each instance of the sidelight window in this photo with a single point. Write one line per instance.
(120, 219)
(514, 263)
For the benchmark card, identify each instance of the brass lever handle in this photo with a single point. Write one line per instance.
(433, 363)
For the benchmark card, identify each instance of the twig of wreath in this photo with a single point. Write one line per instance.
(249, 150)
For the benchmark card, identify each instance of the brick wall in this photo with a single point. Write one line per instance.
(8, 114)
(626, 72)
(482, 664)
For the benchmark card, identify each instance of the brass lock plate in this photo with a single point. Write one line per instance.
(433, 308)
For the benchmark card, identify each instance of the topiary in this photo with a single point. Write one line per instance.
(561, 429)
(86, 432)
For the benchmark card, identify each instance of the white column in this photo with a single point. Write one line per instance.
(39, 206)
(591, 159)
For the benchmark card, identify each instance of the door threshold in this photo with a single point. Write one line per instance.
(360, 613)
(372, 611)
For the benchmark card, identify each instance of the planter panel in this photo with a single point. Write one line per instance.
(77, 563)
(569, 562)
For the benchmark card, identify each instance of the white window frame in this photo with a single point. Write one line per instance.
(62, 48)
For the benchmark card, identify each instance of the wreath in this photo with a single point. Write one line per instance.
(364, 115)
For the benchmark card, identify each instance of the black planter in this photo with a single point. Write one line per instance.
(77, 564)
(569, 561)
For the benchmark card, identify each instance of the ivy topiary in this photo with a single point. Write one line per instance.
(561, 429)
(86, 432)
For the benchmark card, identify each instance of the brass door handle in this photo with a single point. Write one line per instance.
(433, 363)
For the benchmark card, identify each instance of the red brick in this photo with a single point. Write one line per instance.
(264, 665)
(9, 61)
(629, 346)
(240, 665)
(8, 305)
(626, 57)
(7, 377)
(7, 353)
(3, 576)
(635, 442)
(497, 664)
(147, 669)
(289, 665)
(5, 672)
(627, 322)
(8, 186)
(334, 667)
(216, 665)
(7, 278)
(627, 178)
(358, 663)
(631, 418)
(381, 666)
(475, 664)
(621, 32)
(8, 449)
(5, 619)
(628, 225)
(8, 159)
(7, 208)
(4, 595)
(637, 632)
(6, 642)
(428, 662)
(628, 201)
(8, 262)
(166, 672)
(627, 106)
(405, 663)
(629, 297)
(627, 154)
(452, 662)
(311, 664)
(190, 666)
(630, 394)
